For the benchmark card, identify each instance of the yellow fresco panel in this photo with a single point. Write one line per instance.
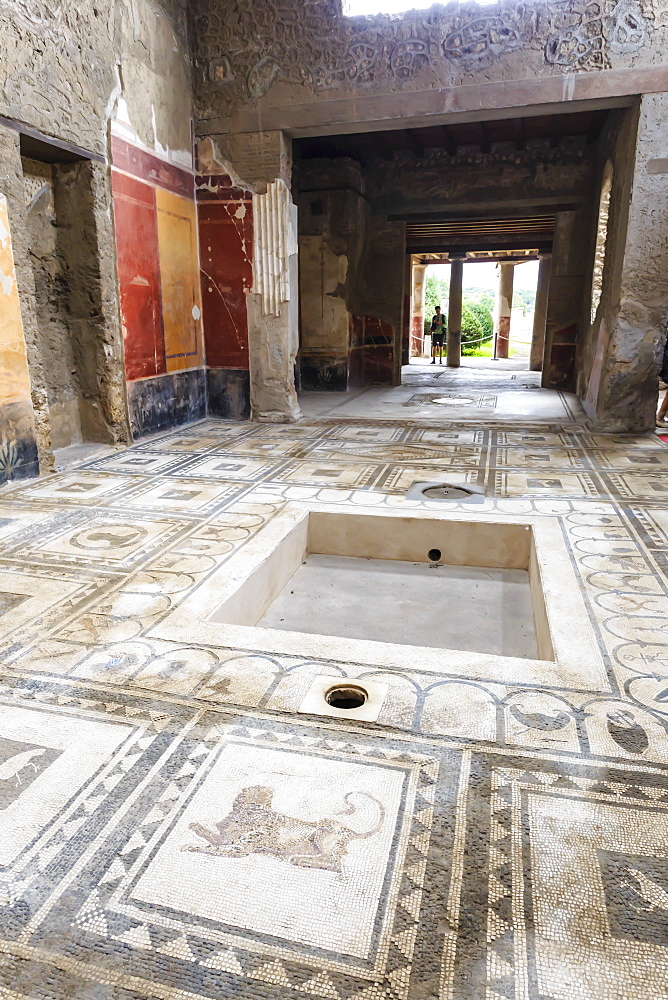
(179, 281)
(14, 376)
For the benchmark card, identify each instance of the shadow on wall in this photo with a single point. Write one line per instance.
(18, 448)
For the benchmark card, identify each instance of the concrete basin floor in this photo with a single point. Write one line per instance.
(451, 607)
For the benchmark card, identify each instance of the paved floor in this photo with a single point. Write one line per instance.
(480, 390)
(172, 827)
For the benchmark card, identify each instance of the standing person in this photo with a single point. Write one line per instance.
(663, 376)
(437, 336)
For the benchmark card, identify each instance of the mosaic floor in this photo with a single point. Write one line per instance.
(172, 827)
(481, 389)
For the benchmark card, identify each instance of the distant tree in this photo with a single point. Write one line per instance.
(484, 315)
(524, 300)
(471, 326)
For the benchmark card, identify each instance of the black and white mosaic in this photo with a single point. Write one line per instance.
(172, 827)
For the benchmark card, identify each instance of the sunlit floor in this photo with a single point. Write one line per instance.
(479, 390)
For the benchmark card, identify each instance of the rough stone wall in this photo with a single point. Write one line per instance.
(86, 238)
(48, 267)
(265, 53)
(65, 65)
(333, 216)
(616, 150)
(638, 315)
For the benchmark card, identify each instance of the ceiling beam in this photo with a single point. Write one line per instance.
(538, 243)
(448, 140)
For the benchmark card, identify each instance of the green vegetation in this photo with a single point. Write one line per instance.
(524, 300)
(477, 313)
(477, 306)
(436, 292)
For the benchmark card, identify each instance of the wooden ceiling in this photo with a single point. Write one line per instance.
(465, 235)
(362, 146)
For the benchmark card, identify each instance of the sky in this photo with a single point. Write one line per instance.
(486, 275)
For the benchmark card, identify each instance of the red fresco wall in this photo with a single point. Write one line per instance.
(226, 254)
(138, 275)
(371, 357)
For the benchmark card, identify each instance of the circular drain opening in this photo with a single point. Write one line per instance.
(454, 400)
(346, 696)
(447, 492)
(434, 555)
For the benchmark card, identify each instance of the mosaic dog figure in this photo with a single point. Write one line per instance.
(254, 827)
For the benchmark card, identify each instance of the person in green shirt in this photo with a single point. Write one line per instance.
(437, 336)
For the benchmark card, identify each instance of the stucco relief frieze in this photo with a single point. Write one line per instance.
(480, 42)
(586, 33)
(243, 47)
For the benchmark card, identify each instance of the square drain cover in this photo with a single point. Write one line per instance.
(315, 701)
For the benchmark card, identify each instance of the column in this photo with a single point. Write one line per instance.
(504, 305)
(273, 323)
(455, 313)
(623, 384)
(417, 309)
(406, 314)
(540, 314)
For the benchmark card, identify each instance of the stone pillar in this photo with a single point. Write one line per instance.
(273, 323)
(86, 240)
(540, 314)
(417, 309)
(406, 314)
(504, 305)
(623, 396)
(455, 314)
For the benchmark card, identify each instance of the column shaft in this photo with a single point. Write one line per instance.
(455, 314)
(504, 305)
(540, 314)
(417, 309)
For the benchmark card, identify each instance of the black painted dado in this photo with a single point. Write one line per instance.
(157, 404)
(18, 448)
(228, 391)
(328, 375)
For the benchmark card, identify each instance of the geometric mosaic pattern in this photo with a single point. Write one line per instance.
(171, 827)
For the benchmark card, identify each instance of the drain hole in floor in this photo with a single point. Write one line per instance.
(346, 696)
(434, 555)
(447, 492)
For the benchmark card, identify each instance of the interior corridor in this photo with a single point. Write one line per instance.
(480, 390)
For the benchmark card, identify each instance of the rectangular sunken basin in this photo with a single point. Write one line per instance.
(494, 596)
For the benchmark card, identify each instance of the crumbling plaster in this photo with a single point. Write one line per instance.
(48, 267)
(263, 165)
